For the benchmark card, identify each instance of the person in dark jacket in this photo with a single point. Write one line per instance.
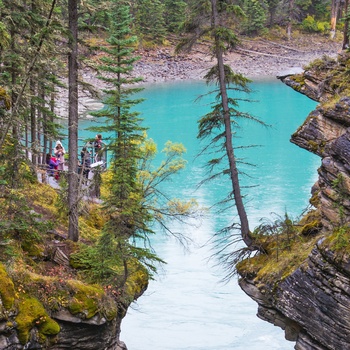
(85, 162)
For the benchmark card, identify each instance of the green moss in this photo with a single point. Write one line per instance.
(270, 269)
(86, 299)
(31, 313)
(32, 249)
(137, 281)
(311, 228)
(7, 289)
(313, 146)
(299, 78)
(311, 223)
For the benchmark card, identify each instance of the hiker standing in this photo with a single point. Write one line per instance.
(59, 153)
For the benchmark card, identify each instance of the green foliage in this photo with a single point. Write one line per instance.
(342, 196)
(283, 230)
(319, 9)
(150, 20)
(105, 263)
(174, 14)
(20, 222)
(342, 238)
(255, 13)
(310, 25)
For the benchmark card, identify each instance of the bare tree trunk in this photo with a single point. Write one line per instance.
(45, 139)
(290, 19)
(334, 17)
(346, 26)
(15, 125)
(52, 109)
(228, 135)
(73, 230)
(33, 123)
(41, 92)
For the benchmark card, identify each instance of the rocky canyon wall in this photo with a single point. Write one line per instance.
(312, 302)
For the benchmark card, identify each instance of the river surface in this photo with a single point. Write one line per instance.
(187, 307)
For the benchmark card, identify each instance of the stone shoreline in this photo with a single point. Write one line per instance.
(256, 59)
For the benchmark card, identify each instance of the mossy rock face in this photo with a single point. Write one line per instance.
(86, 299)
(311, 223)
(31, 313)
(311, 228)
(7, 289)
(137, 281)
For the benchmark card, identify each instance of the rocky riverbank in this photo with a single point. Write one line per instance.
(255, 59)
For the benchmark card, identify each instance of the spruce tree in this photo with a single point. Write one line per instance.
(134, 200)
(255, 15)
(149, 20)
(174, 14)
(123, 135)
(218, 125)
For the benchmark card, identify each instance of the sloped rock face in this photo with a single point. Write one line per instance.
(75, 333)
(83, 336)
(326, 133)
(312, 304)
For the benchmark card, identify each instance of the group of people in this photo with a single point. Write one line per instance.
(55, 162)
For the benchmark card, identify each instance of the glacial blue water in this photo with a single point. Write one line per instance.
(187, 307)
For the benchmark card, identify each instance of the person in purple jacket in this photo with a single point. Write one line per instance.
(53, 164)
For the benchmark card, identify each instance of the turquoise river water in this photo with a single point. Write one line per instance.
(187, 307)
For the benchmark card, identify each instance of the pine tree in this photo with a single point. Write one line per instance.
(174, 14)
(218, 124)
(149, 20)
(123, 205)
(255, 15)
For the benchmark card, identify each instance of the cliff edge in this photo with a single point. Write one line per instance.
(305, 287)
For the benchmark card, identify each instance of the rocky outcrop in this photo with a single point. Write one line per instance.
(51, 312)
(325, 133)
(312, 303)
(73, 335)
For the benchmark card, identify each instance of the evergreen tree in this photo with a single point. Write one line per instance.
(149, 20)
(123, 205)
(255, 11)
(174, 14)
(218, 124)
(29, 29)
(133, 200)
(272, 8)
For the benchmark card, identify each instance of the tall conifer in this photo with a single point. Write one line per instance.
(217, 126)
